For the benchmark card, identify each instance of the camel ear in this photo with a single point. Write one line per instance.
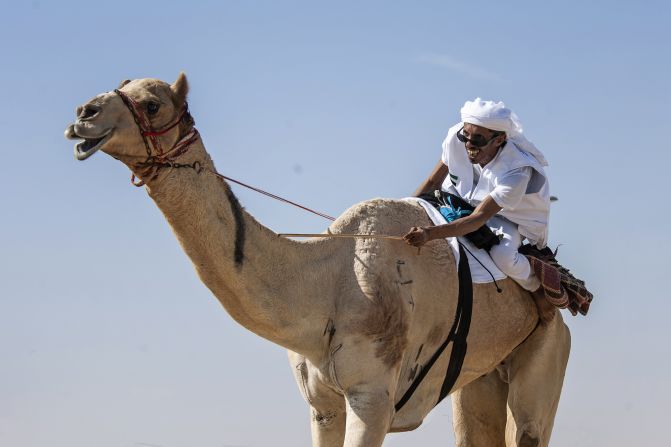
(122, 83)
(180, 88)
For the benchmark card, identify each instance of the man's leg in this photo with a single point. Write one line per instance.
(546, 310)
(517, 266)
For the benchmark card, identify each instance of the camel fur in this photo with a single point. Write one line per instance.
(358, 316)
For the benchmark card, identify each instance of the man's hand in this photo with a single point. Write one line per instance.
(417, 236)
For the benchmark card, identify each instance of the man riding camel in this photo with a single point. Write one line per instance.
(488, 162)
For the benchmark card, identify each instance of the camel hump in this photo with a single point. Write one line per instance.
(393, 280)
(391, 217)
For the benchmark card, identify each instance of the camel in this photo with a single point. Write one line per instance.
(358, 316)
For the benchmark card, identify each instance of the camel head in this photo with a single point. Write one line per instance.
(108, 121)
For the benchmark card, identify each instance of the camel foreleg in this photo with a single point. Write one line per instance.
(328, 428)
(369, 413)
(327, 408)
(327, 415)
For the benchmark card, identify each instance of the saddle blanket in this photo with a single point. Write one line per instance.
(480, 271)
(561, 288)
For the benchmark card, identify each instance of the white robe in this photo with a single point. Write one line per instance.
(531, 214)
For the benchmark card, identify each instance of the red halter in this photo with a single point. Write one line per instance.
(157, 158)
(154, 163)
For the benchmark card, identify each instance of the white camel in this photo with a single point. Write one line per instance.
(358, 316)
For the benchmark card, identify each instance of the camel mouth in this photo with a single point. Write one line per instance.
(84, 149)
(89, 146)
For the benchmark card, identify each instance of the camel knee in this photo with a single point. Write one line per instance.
(369, 414)
(328, 428)
(324, 419)
(367, 404)
(529, 440)
(529, 436)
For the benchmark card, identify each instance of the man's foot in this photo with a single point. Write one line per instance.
(546, 311)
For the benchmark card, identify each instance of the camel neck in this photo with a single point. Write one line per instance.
(273, 286)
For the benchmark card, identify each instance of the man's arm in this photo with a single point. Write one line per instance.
(418, 236)
(434, 181)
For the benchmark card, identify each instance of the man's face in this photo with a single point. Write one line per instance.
(485, 154)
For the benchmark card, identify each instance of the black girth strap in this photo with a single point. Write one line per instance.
(458, 334)
(462, 324)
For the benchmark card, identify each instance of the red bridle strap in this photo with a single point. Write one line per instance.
(144, 124)
(156, 133)
(168, 160)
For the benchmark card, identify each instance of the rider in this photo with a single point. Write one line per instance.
(497, 170)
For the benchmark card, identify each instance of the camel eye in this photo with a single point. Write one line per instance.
(152, 107)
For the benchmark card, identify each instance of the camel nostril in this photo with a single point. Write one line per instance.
(88, 111)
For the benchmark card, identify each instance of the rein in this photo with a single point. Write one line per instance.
(343, 235)
(154, 163)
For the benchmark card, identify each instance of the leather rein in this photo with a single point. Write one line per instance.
(158, 159)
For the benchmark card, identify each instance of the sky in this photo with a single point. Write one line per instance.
(108, 338)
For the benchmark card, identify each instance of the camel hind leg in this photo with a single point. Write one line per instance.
(535, 373)
(479, 412)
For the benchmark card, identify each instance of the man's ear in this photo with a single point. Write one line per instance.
(180, 88)
(502, 139)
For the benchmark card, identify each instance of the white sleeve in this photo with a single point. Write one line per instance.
(443, 155)
(451, 140)
(511, 187)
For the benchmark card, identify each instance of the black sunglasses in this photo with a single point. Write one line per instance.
(476, 140)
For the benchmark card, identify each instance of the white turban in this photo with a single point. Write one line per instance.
(496, 116)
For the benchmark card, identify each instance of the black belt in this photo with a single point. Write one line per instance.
(457, 335)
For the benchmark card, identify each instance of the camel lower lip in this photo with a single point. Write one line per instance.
(89, 146)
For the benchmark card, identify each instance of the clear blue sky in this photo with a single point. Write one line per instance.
(107, 337)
